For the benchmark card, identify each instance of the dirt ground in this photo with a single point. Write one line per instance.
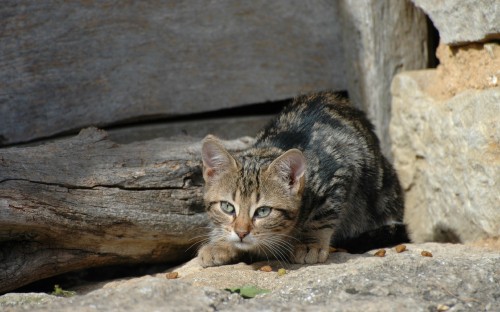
(492, 243)
(473, 66)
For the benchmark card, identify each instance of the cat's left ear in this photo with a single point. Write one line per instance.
(290, 167)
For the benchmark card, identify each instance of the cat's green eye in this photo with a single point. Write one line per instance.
(262, 212)
(227, 207)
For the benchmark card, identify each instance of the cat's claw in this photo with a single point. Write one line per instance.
(214, 255)
(310, 254)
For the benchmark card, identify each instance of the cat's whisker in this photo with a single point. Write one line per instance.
(279, 239)
(281, 245)
(277, 258)
(198, 244)
(199, 236)
(260, 248)
(204, 236)
(218, 234)
(280, 242)
(285, 252)
(281, 248)
(287, 236)
(270, 249)
(276, 252)
(215, 234)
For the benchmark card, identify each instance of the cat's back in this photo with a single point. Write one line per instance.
(318, 120)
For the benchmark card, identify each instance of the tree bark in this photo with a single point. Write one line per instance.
(87, 201)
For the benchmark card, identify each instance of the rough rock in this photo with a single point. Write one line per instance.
(465, 20)
(458, 277)
(380, 39)
(447, 154)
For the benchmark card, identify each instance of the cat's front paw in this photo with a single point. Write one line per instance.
(311, 254)
(214, 255)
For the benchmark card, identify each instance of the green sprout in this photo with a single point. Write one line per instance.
(58, 291)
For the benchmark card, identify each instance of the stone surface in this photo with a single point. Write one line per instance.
(447, 154)
(463, 21)
(460, 277)
(67, 65)
(381, 38)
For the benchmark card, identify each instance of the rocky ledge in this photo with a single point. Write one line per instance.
(455, 278)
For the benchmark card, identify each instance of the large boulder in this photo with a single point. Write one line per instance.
(447, 153)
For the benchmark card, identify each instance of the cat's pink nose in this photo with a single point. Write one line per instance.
(241, 234)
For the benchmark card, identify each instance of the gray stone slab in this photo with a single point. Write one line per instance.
(67, 65)
(465, 20)
(381, 38)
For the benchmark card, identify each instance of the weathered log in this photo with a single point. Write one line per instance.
(87, 201)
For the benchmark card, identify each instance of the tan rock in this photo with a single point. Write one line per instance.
(447, 154)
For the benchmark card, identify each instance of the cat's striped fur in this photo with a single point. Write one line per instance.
(315, 176)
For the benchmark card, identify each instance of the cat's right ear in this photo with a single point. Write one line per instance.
(216, 159)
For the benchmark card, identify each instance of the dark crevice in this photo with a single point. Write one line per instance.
(260, 109)
(121, 187)
(432, 44)
(257, 109)
(267, 108)
(93, 275)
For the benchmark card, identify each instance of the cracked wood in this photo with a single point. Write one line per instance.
(87, 201)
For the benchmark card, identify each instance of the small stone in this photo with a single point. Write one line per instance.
(443, 307)
(281, 272)
(380, 253)
(266, 268)
(426, 253)
(400, 248)
(172, 275)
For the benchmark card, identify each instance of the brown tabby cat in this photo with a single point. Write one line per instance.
(315, 176)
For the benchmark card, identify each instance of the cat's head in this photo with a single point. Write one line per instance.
(254, 199)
